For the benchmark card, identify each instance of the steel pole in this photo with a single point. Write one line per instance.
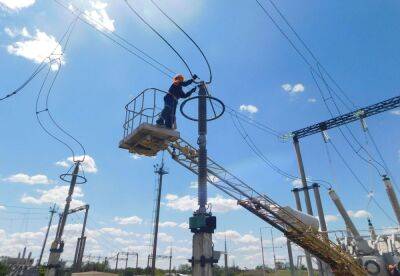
(226, 259)
(116, 263)
(126, 261)
(170, 261)
(52, 212)
(160, 173)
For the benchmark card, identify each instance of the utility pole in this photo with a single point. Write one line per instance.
(116, 263)
(170, 261)
(226, 259)
(290, 254)
(202, 223)
(273, 248)
(161, 172)
(52, 212)
(307, 255)
(392, 197)
(262, 251)
(80, 245)
(57, 247)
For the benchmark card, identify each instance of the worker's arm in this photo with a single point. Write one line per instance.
(186, 83)
(188, 94)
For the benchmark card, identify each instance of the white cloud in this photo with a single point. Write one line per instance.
(2, 207)
(184, 225)
(135, 156)
(395, 112)
(168, 224)
(26, 179)
(99, 17)
(331, 218)
(236, 237)
(38, 48)
(297, 183)
(287, 87)
(56, 195)
(89, 165)
(248, 108)
(312, 100)
(193, 185)
(15, 5)
(16, 32)
(128, 220)
(298, 88)
(293, 89)
(189, 203)
(359, 214)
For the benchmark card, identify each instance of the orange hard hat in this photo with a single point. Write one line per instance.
(178, 78)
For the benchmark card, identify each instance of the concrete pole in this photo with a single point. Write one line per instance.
(321, 216)
(126, 260)
(52, 212)
(290, 254)
(392, 197)
(137, 260)
(202, 240)
(170, 261)
(226, 259)
(116, 263)
(262, 251)
(310, 269)
(273, 249)
(362, 245)
(161, 172)
(57, 246)
(303, 176)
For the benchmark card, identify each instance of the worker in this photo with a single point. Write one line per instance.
(175, 92)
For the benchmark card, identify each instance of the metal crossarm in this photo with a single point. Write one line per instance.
(348, 117)
(270, 211)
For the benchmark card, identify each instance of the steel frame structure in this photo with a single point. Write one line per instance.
(353, 116)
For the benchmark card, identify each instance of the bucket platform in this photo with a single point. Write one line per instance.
(148, 139)
(142, 135)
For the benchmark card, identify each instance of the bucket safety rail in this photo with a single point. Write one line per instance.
(144, 108)
(268, 210)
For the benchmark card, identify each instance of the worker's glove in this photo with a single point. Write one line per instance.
(195, 77)
(192, 91)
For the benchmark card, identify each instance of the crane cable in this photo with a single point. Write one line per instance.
(47, 109)
(160, 36)
(189, 37)
(166, 71)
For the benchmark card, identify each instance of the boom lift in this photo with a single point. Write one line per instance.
(143, 110)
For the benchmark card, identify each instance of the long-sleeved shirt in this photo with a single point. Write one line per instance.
(176, 92)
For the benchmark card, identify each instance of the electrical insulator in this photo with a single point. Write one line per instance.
(325, 136)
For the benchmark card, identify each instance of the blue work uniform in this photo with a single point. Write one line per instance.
(175, 93)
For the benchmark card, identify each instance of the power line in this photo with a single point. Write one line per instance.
(358, 180)
(46, 109)
(309, 51)
(160, 36)
(189, 37)
(118, 43)
(251, 144)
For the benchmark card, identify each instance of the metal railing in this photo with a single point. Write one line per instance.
(144, 108)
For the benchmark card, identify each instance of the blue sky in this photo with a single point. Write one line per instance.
(252, 66)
